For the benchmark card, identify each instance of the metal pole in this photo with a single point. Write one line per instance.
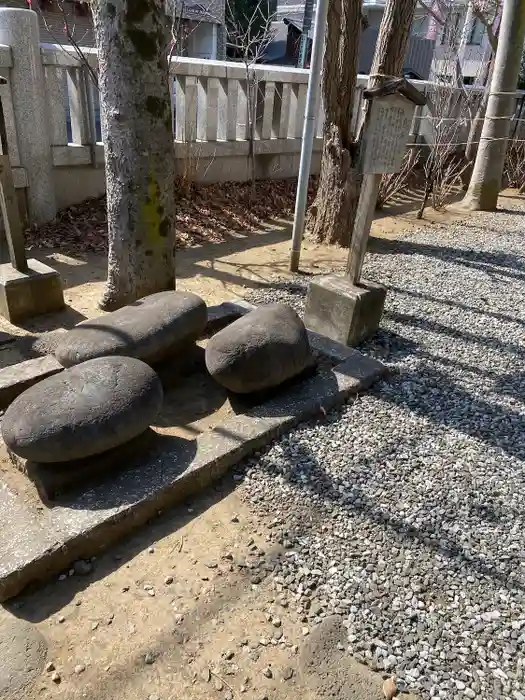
(312, 98)
(307, 23)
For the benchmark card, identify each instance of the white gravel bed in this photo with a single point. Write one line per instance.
(405, 511)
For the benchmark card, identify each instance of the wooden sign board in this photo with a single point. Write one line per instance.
(386, 134)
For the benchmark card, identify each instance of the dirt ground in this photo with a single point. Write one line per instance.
(176, 610)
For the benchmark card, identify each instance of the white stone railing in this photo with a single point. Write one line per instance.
(53, 123)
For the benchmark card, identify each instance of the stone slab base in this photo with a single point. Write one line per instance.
(36, 543)
(343, 311)
(36, 291)
(54, 480)
(17, 378)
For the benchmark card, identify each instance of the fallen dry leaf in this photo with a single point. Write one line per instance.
(203, 214)
(390, 688)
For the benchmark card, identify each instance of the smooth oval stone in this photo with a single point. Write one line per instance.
(150, 329)
(260, 350)
(83, 411)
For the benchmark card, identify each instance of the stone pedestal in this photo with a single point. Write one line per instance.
(36, 291)
(343, 311)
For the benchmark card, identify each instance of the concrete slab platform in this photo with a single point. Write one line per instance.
(17, 378)
(37, 542)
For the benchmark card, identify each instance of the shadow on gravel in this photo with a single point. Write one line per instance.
(454, 304)
(495, 425)
(491, 262)
(325, 486)
(432, 326)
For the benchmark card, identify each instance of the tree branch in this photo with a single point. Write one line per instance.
(437, 17)
(479, 13)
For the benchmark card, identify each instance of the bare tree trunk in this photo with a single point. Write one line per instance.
(474, 135)
(471, 148)
(330, 217)
(486, 177)
(133, 38)
(389, 56)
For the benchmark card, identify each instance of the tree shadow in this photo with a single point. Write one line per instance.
(455, 304)
(512, 212)
(308, 475)
(495, 425)
(512, 385)
(432, 326)
(74, 268)
(491, 262)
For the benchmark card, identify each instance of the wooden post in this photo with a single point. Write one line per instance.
(9, 205)
(383, 143)
(362, 225)
(11, 217)
(365, 210)
(389, 57)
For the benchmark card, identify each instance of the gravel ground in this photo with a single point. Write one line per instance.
(404, 510)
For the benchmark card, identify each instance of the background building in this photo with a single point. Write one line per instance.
(201, 29)
(433, 47)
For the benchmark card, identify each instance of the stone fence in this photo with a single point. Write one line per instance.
(53, 126)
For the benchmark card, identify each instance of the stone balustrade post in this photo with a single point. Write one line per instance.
(19, 30)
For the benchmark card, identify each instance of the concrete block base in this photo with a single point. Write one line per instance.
(343, 311)
(54, 480)
(36, 291)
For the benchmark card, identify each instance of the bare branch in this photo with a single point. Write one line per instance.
(69, 31)
(440, 19)
(480, 12)
(250, 43)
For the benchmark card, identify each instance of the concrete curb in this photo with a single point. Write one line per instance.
(16, 379)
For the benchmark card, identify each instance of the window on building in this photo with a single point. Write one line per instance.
(420, 26)
(476, 33)
(468, 80)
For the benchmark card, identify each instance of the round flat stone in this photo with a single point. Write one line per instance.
(150, 329)
(260, 350)
(22, 653)
(83, 411)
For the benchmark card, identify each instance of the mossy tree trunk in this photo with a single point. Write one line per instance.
(133, 39)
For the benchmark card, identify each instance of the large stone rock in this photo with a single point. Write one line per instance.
(150, 329)
(260, 350)
(83, 411)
